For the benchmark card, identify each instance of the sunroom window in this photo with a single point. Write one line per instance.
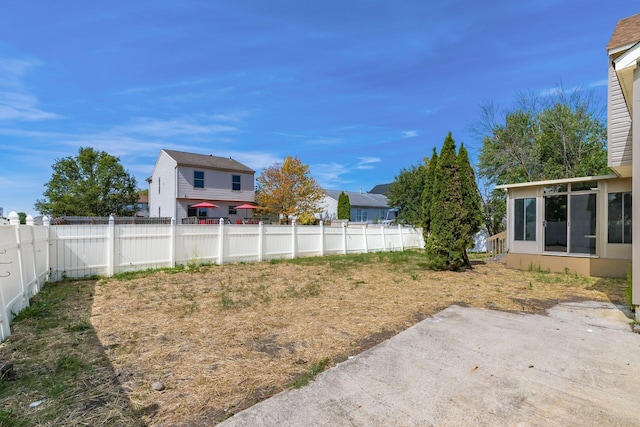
(525, 219)
(619, 225)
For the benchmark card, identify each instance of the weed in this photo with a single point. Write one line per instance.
(305, 378)
(80, 326)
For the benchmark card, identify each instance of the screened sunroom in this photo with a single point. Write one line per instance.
(580, 225)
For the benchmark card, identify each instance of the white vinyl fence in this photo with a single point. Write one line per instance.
(31, 255)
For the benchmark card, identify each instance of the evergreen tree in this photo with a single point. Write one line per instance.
(447, 239)
(344, 206)
(427, 193)
(471, 202)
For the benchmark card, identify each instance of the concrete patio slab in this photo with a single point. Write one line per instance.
(579, 365)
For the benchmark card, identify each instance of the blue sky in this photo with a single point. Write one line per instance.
(357, 89)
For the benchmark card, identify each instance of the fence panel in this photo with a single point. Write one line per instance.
(79, 251)
(139, 247)
(333, 240)
(277, 242)
(197, 243)
(242, 243)
(308, 241)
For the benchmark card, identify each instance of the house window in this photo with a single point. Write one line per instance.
(525, 219)
(235, 182)
(619, 217)
(232, 210)
(361, 215)
(198, 179)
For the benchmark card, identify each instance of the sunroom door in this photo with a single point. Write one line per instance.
(576, 236)
(582, 224)
(555, 223)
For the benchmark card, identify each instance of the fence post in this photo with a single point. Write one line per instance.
(21, 255)
(384, 239)
(172, 248)
(364, 235)
(32, 234)
(14, 219)
(294, 239)
(401, 242)
(111, 244)
(260, 241)
(221, 242)
(344, 238)
(321, 238)
(47, 224)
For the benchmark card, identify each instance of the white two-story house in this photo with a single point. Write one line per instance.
(181, 180)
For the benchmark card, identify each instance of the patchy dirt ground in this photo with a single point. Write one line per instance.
(221, 338)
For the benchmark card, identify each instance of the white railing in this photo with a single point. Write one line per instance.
(33, 254)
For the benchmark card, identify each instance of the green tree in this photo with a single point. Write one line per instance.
(93, 183)
(344, 206)
(447, 238)
(405, 193)
(288, 189)
(471, 202)
(427, 193)
(562, 135)
(22, 216)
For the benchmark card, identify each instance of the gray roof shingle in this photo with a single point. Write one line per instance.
(207, 161)
(363, 200)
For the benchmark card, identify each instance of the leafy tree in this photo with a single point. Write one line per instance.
(471, 202)
(93, 183)
(344, 206)
(22, 216)
(562, 135)
(448, 236)
(405, 193)
(288, 189)
(494, 210)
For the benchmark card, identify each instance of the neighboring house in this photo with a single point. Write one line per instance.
(380, 189)
(584, 224)
(365, 207)
(142, 207)
(180, 180)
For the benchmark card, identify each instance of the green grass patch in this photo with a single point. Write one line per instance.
(305, 378)
(59, 364)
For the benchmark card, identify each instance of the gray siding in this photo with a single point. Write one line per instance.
(217, 185)
(619, 126)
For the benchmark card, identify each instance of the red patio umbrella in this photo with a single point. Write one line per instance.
(204, 205)
(246, 206)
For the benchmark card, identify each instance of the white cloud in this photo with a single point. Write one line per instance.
(367, 162)
(16, 103)
(329, 175)
(409, 133)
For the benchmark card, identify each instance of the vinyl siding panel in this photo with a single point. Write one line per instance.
(217, 186)
(162, 189)
(619, 126)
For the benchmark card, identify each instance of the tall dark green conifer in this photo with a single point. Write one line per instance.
(446, 241)
(471, 201)
(427, 193)
(344, 206)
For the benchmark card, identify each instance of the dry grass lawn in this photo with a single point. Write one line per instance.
(221, 338)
